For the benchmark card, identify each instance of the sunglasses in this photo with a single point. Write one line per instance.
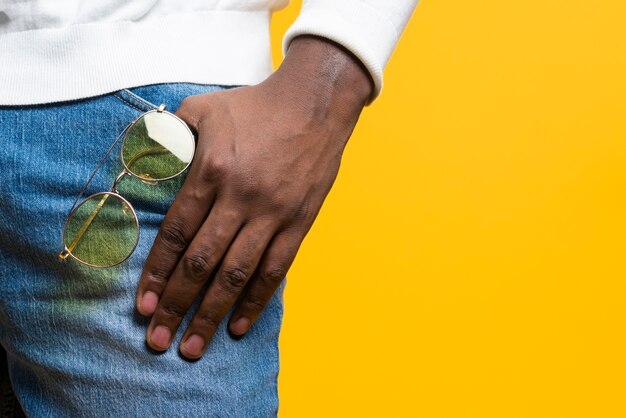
(103, 230)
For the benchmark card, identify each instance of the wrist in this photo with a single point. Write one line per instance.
(325, 72)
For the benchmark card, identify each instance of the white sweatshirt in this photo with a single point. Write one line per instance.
(57, 50)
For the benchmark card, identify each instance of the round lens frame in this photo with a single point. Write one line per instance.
(69, 219)
(165, 113)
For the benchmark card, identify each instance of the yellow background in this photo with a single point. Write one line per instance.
(469, 261)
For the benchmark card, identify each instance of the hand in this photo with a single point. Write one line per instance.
(266, 158)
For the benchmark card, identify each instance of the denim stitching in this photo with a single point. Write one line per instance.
(139, 99)
(134, 101)
(126, 102)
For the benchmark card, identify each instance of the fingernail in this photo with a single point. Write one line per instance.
(194, 345)
(149, 302)
(161, 336)
(240, 326)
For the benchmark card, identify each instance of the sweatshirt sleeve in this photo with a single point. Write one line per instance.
(369, 29)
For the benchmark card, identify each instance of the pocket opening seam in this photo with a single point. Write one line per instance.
(136, 102)
(140, 99)
(126, 102)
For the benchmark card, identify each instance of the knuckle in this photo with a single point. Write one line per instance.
(214, 168)
(273, 275)
(155, 275)
(198, 266)
(234, 278)
(173, 310)
(219, 162)
(254, 304)
(208, 320)
(172, 235)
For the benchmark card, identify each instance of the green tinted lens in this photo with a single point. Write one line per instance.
(158, 146)
(102, 231)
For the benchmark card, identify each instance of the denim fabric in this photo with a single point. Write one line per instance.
(74, 342)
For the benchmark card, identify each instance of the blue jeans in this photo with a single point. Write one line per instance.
(75, 344)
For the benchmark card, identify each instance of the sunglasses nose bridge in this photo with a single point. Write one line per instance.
(118, 179)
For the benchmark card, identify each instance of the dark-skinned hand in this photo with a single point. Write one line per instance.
(266, 157)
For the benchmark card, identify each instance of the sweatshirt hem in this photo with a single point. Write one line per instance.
(211, 47)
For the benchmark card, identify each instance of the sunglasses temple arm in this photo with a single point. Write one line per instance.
(156, 150)
(98, 168)
(84, 227)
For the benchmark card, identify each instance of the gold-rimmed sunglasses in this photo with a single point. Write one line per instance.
(103, 230)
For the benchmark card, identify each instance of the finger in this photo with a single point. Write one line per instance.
(182, 221)
(193, 270)
(269, 275)
(236, 268)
